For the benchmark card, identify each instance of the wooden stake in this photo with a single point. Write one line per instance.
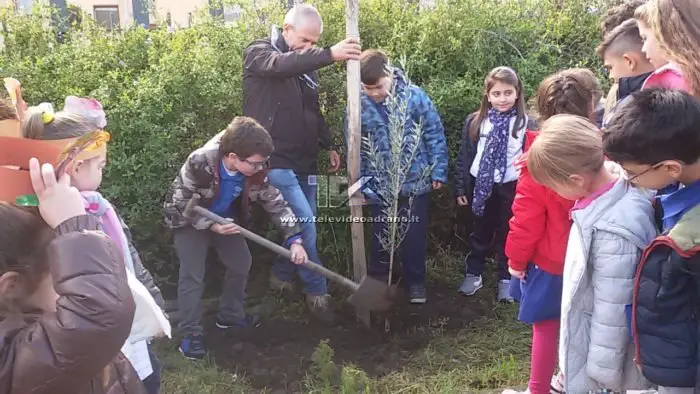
(353, 81)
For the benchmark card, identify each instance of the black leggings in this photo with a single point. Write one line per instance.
(492, 228)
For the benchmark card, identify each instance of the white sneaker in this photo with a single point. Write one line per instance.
(503, 295)
(471, 284)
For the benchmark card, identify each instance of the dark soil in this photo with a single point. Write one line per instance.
(277, 354)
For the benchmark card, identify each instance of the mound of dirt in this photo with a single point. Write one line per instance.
(277, 354)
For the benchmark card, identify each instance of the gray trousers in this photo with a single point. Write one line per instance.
(191, 246)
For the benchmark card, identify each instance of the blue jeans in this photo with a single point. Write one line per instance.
(301, 197)
(413, 247)
(152, 382)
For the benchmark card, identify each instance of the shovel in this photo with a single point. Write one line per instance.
(369, 294)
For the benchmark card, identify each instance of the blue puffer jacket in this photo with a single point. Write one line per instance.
(432, 149)
(666, 306)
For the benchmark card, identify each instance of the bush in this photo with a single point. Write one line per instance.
(167, 93)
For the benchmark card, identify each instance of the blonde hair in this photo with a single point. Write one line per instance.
(676, 25)
(61, 125)
(567, 145)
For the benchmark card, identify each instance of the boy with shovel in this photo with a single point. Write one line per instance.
(228, 172)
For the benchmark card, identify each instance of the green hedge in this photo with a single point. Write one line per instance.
(167, 93)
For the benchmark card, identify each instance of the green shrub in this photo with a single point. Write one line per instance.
(167, 93)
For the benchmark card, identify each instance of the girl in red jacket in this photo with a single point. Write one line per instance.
(539, 228)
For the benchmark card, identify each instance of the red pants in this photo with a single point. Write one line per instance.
(543, 361)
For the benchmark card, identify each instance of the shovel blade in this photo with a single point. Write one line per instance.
(372, 295)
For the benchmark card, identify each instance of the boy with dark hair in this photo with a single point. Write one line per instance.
(621, 52)
(618, 14)
(228, 172)
(379, 80)
(655, 136)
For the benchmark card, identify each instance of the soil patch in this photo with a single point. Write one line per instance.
(278, 354)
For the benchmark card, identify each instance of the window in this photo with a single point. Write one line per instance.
(232, 13)
(107, 16)
(24, 6)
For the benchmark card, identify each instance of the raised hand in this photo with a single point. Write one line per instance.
(58, 200)
(348, 49)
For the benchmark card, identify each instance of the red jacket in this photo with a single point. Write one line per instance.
(539, 228)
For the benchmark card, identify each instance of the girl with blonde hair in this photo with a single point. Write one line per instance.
(612, 224)
(671, 33)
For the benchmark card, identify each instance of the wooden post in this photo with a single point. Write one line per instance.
(354, 143)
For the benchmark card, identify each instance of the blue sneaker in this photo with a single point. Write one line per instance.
(193, 348)
(247, 321)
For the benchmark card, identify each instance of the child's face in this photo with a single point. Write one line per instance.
(502, 96)
(622, 66)
(379, 91)
(248, 167)
(656, 176)
(87, 174)
(652, 48)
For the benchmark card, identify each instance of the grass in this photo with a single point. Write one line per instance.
(490, 354)
(182, 376)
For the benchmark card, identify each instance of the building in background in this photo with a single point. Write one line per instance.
(115, 14)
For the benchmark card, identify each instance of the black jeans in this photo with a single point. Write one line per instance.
(413, 247)
(492, 228)
(152, 382)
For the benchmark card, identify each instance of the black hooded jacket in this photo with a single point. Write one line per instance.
(280, 91)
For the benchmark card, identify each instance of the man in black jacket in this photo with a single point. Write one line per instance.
(280, 91)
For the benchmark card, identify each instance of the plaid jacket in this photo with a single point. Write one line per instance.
(200, 174)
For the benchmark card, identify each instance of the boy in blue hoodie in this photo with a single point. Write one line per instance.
(379, 80)
(655, 136)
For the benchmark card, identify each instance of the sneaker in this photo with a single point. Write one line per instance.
(503, 293)
(471, 284)
(319, 305)
(557, 384)
(192, 347)
(416, 295)
(247, 321)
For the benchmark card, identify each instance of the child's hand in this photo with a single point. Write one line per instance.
(517, 274)
(437, 185)
(462, 201)
(58, 200)
(298, 254)
(225, 229)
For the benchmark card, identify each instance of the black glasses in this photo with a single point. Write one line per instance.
(257, 165)
(651, 168)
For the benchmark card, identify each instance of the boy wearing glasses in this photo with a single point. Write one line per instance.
(228, 172)
(656, 138)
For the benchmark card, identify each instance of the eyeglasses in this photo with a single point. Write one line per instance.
(257, 165)
(651, 168)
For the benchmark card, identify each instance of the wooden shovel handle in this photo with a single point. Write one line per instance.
(266, 243)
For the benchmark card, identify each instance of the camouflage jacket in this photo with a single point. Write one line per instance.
(200, 174)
